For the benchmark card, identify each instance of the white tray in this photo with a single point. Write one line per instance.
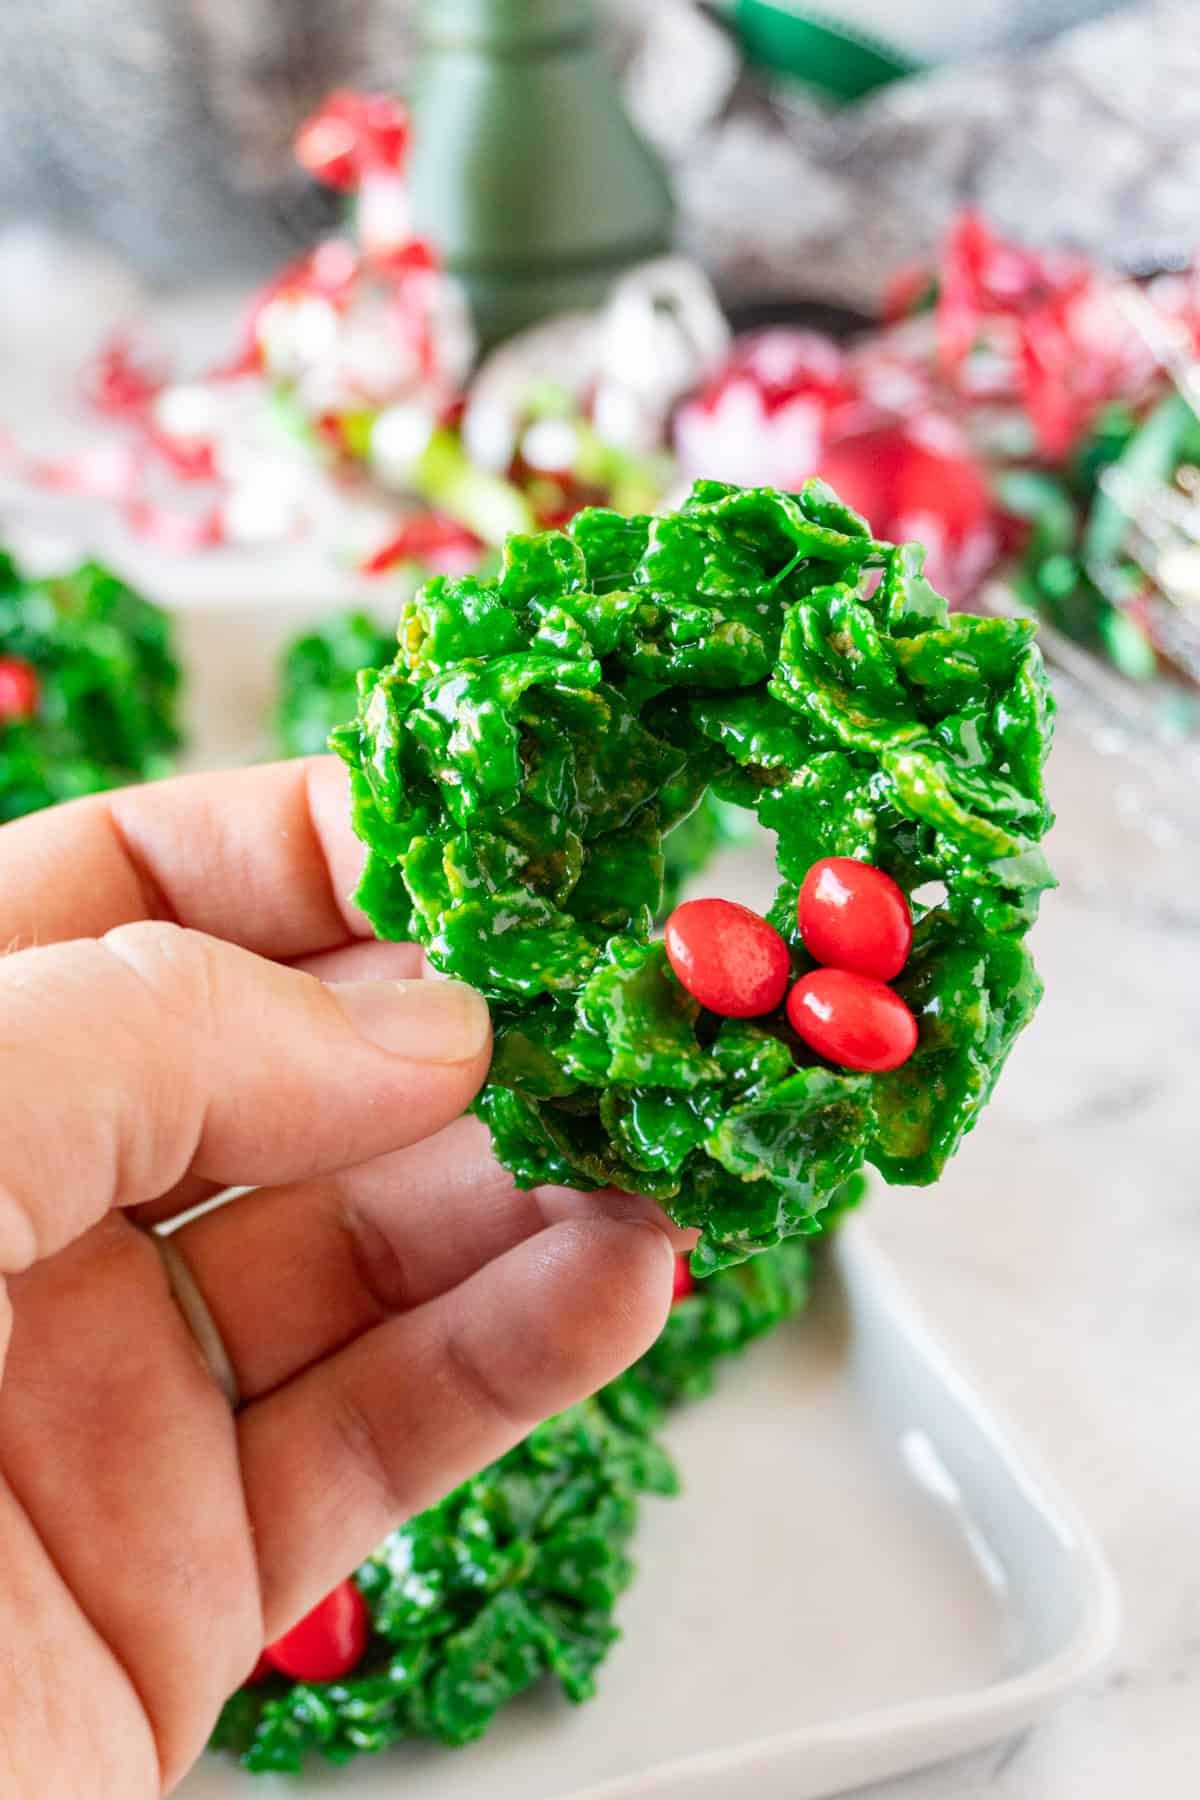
(865, 1574)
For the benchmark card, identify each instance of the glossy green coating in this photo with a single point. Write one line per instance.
(108, 682)
(318, 690)
(516, 1574)
(514, 771)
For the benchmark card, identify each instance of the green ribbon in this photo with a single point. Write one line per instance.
(837, 59)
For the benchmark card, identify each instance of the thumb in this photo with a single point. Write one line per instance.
(131, 1060)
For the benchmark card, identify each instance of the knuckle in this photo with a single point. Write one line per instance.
(164, 957)
(364, 1442)
(375, 1259)
(478, 1385)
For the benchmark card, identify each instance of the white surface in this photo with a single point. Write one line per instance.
(873, 1578)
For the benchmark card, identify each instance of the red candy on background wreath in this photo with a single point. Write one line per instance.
(327, 1642)
(20, 689)
(684, 1282)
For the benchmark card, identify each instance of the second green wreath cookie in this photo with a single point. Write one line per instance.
(517, 766)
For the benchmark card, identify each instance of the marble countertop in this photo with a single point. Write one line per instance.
(1061, 1258)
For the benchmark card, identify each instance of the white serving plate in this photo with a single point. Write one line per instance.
(865, 1574)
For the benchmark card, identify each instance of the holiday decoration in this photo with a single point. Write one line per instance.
(1029, 417)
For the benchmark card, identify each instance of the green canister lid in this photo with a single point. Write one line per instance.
(526, 171)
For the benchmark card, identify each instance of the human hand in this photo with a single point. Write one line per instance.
(202, 1010)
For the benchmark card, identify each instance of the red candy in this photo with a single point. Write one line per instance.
(727, 957)
(326, 1642)
(685, 1281)
(853, 916)
(262, 1668)
(852, 1020)
(19, 689)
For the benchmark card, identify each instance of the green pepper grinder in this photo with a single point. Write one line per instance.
(526, 172)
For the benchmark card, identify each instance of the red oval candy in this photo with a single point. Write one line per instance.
(19, 689)
(853, 916)
(326, 1642)
(852, 1020)
(685, 1281)
(727, 957)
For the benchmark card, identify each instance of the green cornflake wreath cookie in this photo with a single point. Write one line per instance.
(514, 772)
(88, 687)
(318, 690)
(516, 1574)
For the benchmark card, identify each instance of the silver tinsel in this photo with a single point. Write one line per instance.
(1091, 141)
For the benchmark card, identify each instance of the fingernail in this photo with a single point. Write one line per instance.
(429, 1021)
(668, 1250)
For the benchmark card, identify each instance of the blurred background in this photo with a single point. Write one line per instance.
(300, 303)
(165, 132)
(297, 303)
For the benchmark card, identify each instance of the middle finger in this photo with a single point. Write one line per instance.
(292, 1274)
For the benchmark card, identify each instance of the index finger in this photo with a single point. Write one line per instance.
(263, 857)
